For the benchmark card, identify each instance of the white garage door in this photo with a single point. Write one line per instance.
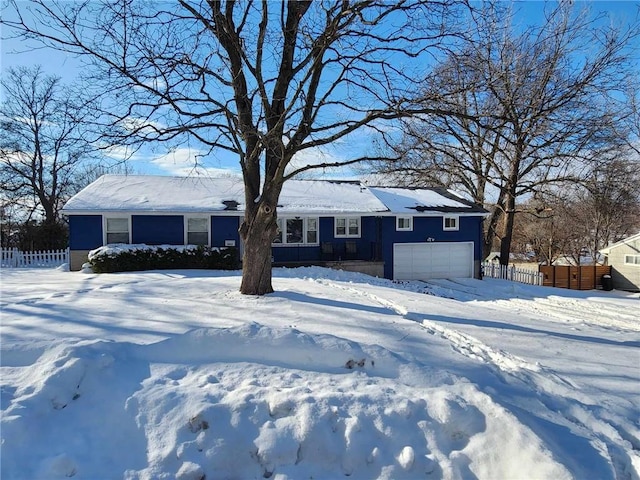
(422, 261)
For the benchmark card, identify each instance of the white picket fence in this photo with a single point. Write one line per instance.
(505, 272)
(14, 258)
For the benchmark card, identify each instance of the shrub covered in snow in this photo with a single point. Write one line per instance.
(127, 258)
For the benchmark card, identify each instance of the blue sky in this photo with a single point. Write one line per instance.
(181, 161)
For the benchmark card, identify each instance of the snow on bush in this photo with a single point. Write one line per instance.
(122, 257)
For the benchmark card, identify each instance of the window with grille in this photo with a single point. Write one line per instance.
(347, 227)
(632, 260)
(450, 223)
(404, 223)
(297, 231)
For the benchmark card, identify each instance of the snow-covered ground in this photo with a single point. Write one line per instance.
(174, 374)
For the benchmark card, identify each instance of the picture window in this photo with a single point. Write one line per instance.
(297, 231)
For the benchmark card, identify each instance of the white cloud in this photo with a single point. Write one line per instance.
(123, 153)
(141, 125)
(188, 161)
(319, 156)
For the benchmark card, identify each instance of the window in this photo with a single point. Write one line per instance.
(632, 259)
(404, 223)
(294, 231)
(297, 231)
(347, 227)
(450, 223)
(312, 230)
(197, 231)
(117, 230)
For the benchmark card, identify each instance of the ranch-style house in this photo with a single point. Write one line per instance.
(396, 233)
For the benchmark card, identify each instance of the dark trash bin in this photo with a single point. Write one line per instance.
(607, 283)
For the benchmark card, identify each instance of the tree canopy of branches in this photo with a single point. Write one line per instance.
(578, 220)
(263, 80)
(42, 141)
(538, 101)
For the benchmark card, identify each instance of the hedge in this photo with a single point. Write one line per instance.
(129, 258)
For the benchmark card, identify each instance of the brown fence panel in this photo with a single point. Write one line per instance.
(574, 278)
(585, 277)
(547, 271)
(562, 275)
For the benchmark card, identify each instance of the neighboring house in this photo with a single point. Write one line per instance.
(397, 233)
(624, 259)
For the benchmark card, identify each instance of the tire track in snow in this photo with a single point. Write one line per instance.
(460, 342)
(592, 311)
(561, 398)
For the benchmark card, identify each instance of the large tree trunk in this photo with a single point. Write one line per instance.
(258, 232)
(256, 259)
(507, 232)
(491, 232)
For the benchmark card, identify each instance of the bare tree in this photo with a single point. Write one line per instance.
(577, 220)
(608, 202)
(41, 142)
(540, 98)
(262, 80)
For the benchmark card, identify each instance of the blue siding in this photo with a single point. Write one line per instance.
(370, 232)
(157, 229)
(224, 228)
(378, 234)
(430, 228)
(85, 232)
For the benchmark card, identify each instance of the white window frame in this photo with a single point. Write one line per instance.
(105, 222)
(358, 221)
(455, 228)
(186, 227)
(282, 227)
(630, 259)
(404, 229)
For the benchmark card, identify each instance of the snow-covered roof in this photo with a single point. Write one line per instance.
(632, 238)
(149, 193)
(412, 200)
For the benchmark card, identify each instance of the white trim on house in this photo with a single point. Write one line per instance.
(240, 213)
(448, 219)
(633, 238)
(624, 259)
(310, 223)
(348, 219)
(185, 227)
(406, 228)
(633, 260)
(105, 223)
(423, 261)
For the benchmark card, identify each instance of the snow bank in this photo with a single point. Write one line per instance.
(256, 402)
(336, 374)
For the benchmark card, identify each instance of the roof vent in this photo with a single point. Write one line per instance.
(230, 204)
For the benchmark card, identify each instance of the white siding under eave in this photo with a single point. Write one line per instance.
(625, 276)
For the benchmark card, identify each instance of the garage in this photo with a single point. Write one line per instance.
(422, 261)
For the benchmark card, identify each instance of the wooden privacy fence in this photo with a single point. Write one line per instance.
(14, 258)
(585, 277)
(505, 272)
